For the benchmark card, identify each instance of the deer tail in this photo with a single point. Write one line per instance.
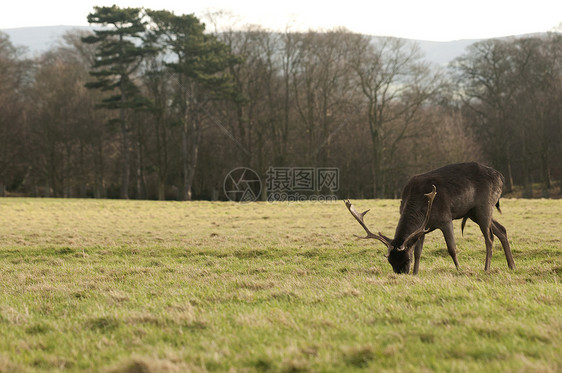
(498, 206)
(463, 224)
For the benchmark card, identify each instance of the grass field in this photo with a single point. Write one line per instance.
(137, 286)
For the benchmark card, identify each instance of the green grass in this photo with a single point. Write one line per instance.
(136, 286)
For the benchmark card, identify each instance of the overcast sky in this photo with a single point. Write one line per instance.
(440, 20)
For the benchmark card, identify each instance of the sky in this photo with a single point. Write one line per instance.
(437, 20)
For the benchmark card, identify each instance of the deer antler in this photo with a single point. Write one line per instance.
(359, 217)
(423, 228)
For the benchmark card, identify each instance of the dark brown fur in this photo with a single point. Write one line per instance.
(464, 191)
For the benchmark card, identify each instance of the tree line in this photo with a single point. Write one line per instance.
(154, 105)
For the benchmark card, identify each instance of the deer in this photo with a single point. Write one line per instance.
(431, 201)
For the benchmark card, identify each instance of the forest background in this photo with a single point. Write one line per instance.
(155, 105)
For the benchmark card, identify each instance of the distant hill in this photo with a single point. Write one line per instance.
(442, 53)
(39, 39)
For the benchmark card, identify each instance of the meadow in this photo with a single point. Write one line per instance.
(141, 286)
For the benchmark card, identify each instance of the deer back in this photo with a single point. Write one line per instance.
(461, 188)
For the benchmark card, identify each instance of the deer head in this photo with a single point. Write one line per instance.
(399, 256)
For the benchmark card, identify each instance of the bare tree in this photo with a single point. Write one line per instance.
(91, 128)
(512, 86)
(322, 85)
(537, 78)
(12, 134)
(395, 83)
(484, 77)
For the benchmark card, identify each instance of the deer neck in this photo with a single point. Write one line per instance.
(410, 220)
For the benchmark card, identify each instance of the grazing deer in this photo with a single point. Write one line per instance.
(432, 201)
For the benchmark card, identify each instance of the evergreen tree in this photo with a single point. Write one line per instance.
(119, 53)
(199, 62)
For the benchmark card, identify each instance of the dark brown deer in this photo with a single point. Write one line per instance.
(432, 201)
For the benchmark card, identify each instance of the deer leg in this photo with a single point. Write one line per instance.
(500, 232)
(488, 239)
(483, 217)
(417, 254)
(449, 235)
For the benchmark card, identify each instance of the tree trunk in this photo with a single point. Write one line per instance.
(162, 158)
(547, 182)
(82, 189)
(509, 176)
(138, 166)
(98, 170)
(376, 167)
(190, 153)
(125, 170)
(47, 190)
(527, 184)
(186, 192)
(161, 190)
(124, 158)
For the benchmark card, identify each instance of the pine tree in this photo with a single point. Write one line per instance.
(199, 62)
(119, 54)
